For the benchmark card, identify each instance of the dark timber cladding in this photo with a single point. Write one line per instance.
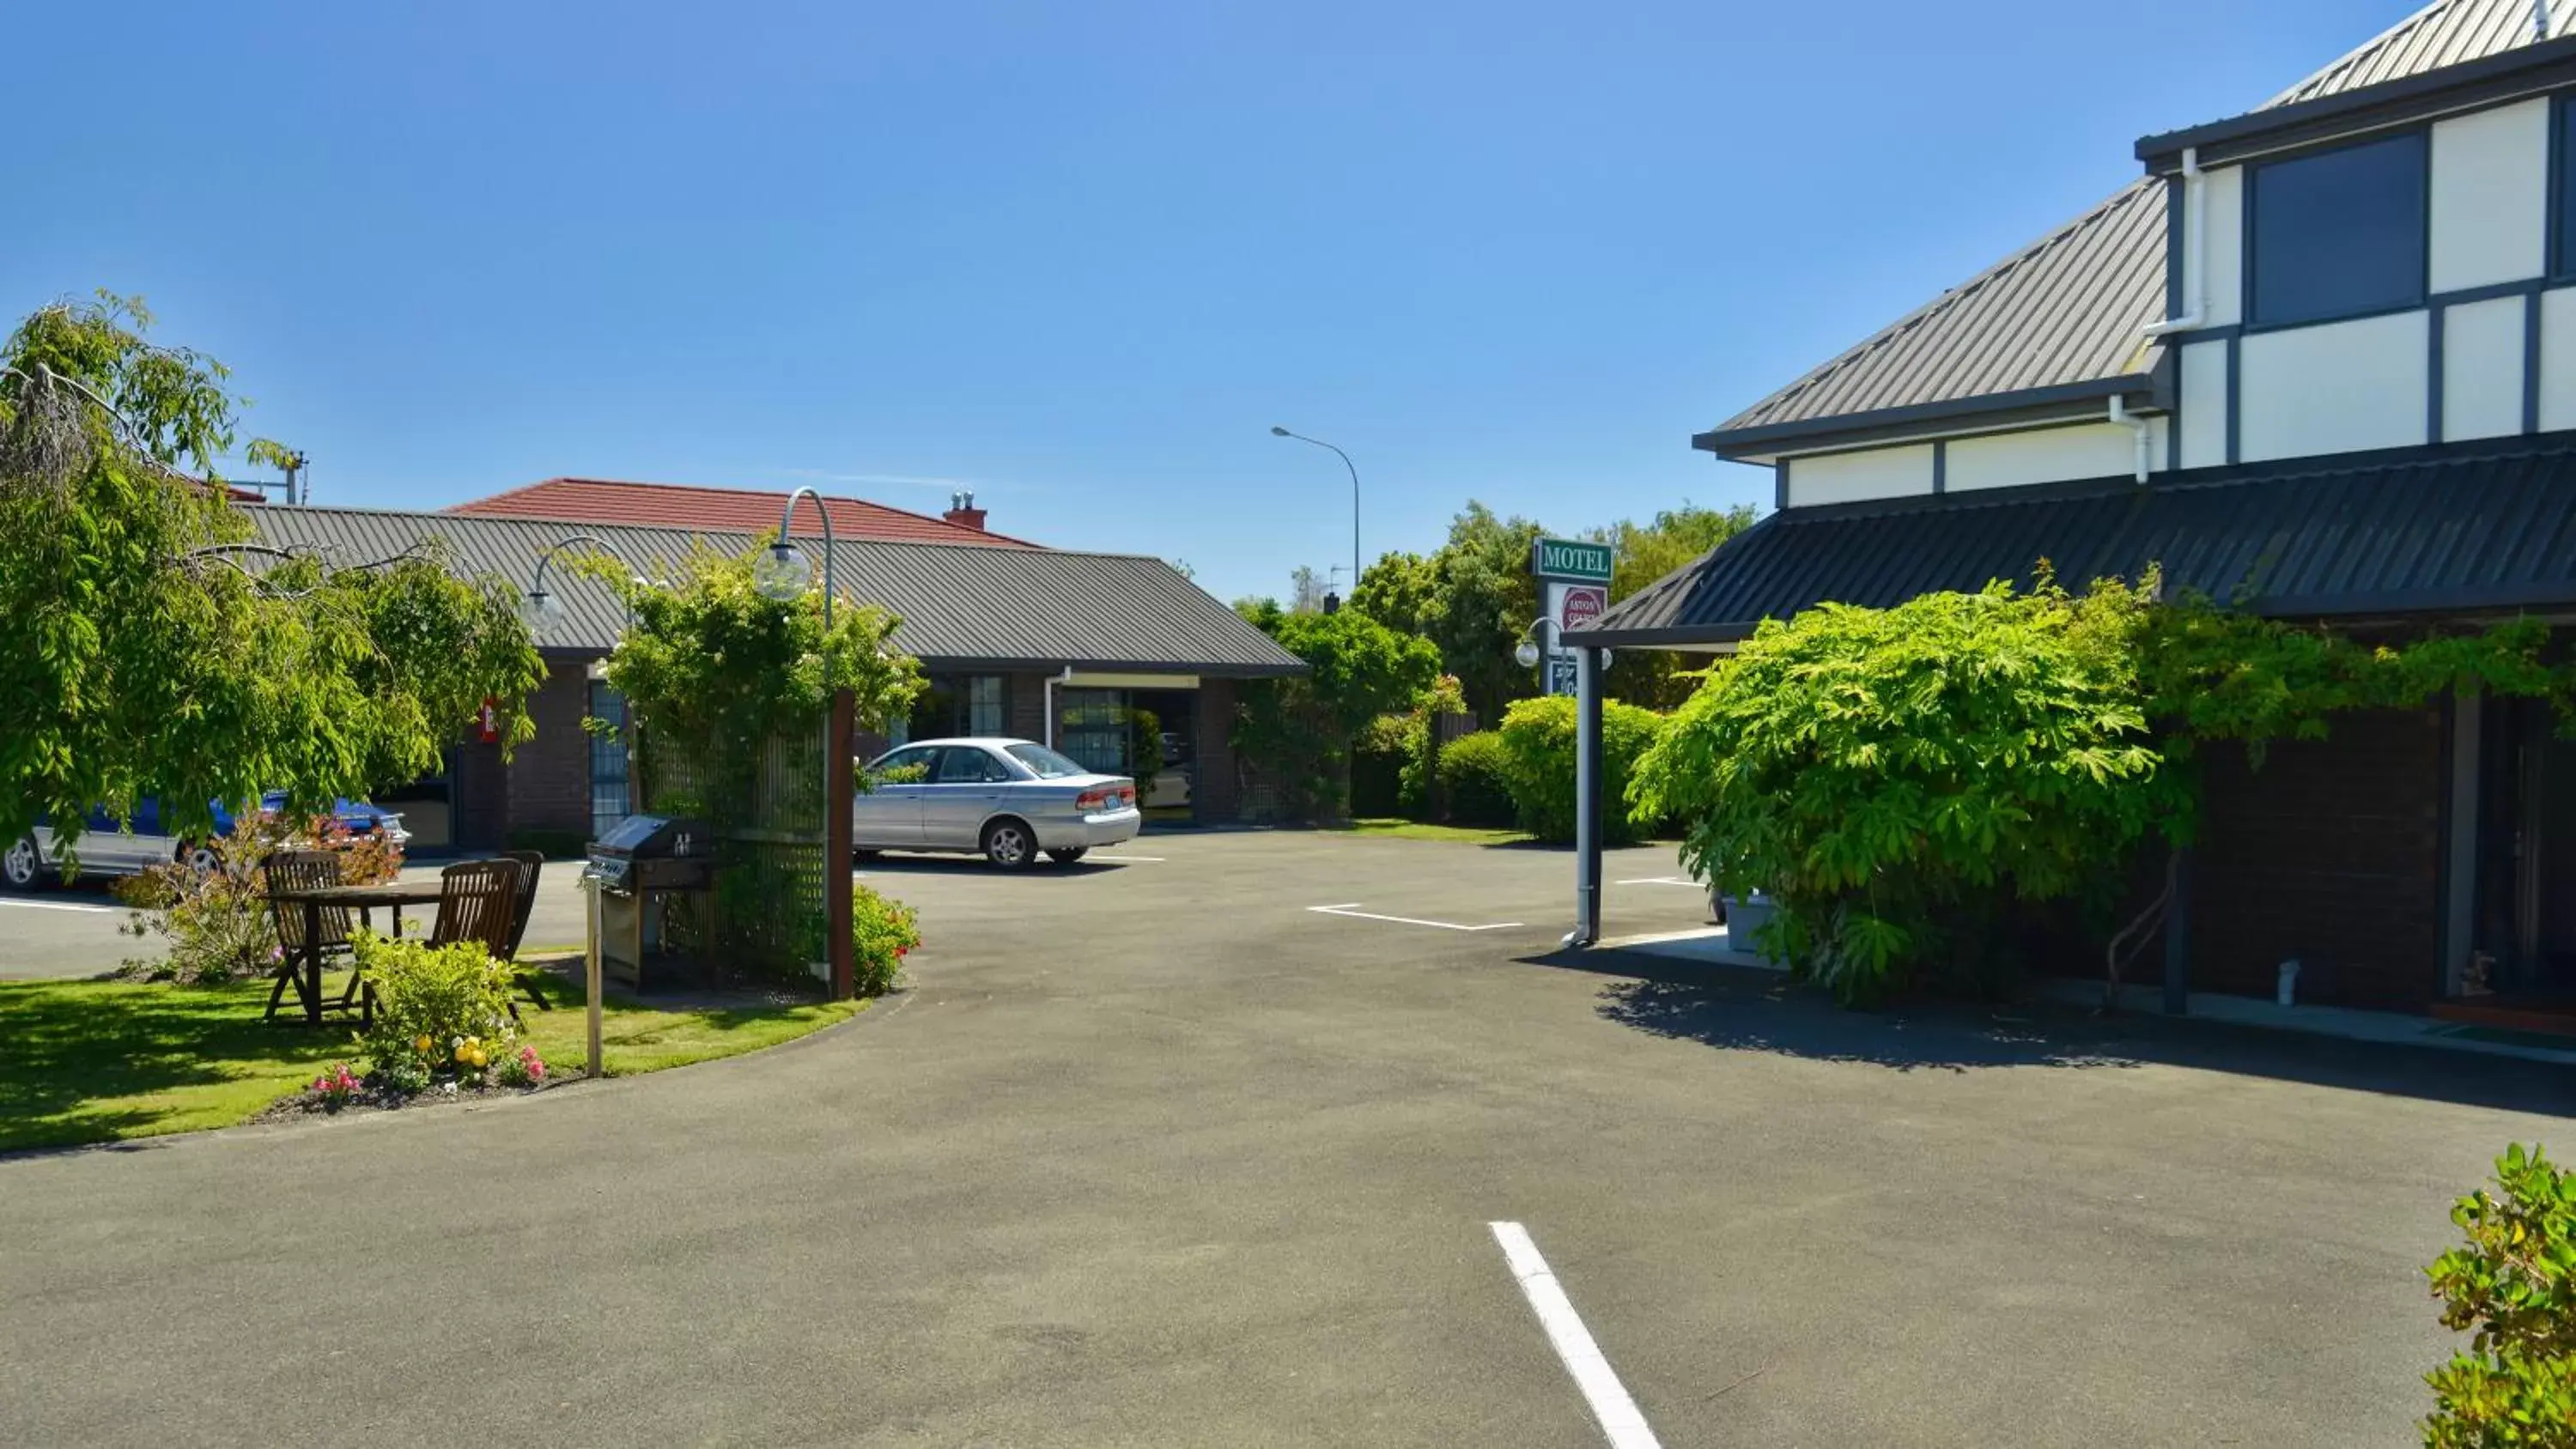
(2364, 534)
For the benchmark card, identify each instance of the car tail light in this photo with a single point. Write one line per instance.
(1105, 797)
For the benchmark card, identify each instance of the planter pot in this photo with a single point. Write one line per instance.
(1745, 917)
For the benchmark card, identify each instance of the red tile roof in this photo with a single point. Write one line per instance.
(729, 510)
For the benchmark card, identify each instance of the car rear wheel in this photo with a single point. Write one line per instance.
(200, 858)
(1069, 856)
(21, 869)
(1010, 845)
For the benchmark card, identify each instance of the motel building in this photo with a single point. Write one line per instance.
(1054, 645)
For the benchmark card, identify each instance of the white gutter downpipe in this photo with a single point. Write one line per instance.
(2195, 246)
(2137, 425)
(1051, 682)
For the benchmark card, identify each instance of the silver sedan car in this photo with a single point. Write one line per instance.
(1008, 800)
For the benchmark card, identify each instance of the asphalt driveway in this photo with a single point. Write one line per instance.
(1154, 1151)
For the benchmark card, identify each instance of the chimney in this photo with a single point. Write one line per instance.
(963, 512)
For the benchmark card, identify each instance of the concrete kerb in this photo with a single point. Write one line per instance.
(1712, 948)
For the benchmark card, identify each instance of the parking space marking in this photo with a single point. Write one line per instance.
(1131, 859)
(1347, 908)
(61, 906)
(1617, 1413)
(1679, 880)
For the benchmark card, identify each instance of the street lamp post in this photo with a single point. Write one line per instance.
(1281, 432)
(781, 576)
(540, 607)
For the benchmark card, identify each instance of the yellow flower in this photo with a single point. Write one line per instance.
(421, 1046)
(474, 1056)
(461, 1050)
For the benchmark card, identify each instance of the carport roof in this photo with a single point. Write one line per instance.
(961, 605)
(2453, 530)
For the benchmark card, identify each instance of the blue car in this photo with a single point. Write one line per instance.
(111, 847)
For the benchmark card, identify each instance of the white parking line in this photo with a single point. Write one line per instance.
(1345, 909)
(1679, 880)
(1611, 1406)
(61, 906)
(1131, 859)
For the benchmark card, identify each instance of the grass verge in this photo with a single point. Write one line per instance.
(106, 1061)
(1423, 830)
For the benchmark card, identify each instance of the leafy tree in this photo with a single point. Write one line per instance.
(1396, 591)
(1644, 553)
(1302, 729)
(1307, 590)
(1479, 601)
(157, 651)
(2513, 1288)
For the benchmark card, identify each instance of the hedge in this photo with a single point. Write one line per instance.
(1475, 784)
(1538, 760)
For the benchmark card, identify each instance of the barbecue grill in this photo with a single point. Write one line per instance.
(641, 868)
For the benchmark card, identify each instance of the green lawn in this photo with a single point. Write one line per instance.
(1422, 830)
(101, 1061)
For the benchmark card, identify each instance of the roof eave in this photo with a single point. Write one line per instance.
(1883, 423)
(2525, 69)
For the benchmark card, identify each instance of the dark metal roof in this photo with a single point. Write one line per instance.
(2067, 310)
(2522, 70)
(960, 604)
(2382, 534)
(2066, 315)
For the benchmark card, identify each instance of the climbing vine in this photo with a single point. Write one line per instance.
(1903, 780)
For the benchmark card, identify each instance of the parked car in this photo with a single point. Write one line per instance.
(108, 846)
(1007, 799)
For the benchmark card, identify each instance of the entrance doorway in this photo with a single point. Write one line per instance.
(2526, 915)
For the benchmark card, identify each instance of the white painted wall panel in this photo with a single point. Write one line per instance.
(2049, 455)
(1850, 477)
(2203, 400)
(2482, 370)
(2490, 196)
(2337, 388)
(2557, 360)
(2222, 191)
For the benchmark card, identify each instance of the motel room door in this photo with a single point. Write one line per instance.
(2527, 849)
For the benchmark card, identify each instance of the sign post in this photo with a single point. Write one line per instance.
(1576, 576)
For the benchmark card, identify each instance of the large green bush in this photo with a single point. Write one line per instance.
(1538, 752)
(2513, 1288)
(1475, 780)
(1299, 731)
(1377, 766)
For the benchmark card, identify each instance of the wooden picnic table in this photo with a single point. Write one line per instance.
(305, 968)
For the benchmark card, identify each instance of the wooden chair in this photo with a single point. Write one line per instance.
(531, 864)
(295, 870)
(476, 899)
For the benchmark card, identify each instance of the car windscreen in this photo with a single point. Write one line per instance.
(1046, 764)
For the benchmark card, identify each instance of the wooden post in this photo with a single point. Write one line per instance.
(590, 975)
(839, 798)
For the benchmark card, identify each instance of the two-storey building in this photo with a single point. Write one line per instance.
(2317, 361)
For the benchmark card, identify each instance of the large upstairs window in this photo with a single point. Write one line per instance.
(2338, 233)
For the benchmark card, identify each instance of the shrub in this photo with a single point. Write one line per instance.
(522, 1068)
(882, 933)
(335, 1088)
(218, 921)
(442, 1008)
(1538, 761)
(2513, 1287)
(1475, 783)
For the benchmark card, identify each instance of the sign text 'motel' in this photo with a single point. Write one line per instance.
(1565, 558)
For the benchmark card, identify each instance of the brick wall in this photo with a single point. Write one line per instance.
(1216, 791)
(550, 774)
(1024, 706)
(2329, 853)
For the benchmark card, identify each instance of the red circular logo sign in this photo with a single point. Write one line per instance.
(1583, 605)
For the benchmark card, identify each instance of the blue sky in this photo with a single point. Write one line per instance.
(1078, 257)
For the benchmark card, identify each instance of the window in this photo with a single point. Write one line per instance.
(964, 765)
(984, 705)
(905, 766)
(2562, 262)
(1092, 728)
(610, 797)
(2339, 233)
(1044, 763)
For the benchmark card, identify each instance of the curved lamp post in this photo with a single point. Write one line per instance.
(782, 575)
(540, 607)
(1280, 432)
